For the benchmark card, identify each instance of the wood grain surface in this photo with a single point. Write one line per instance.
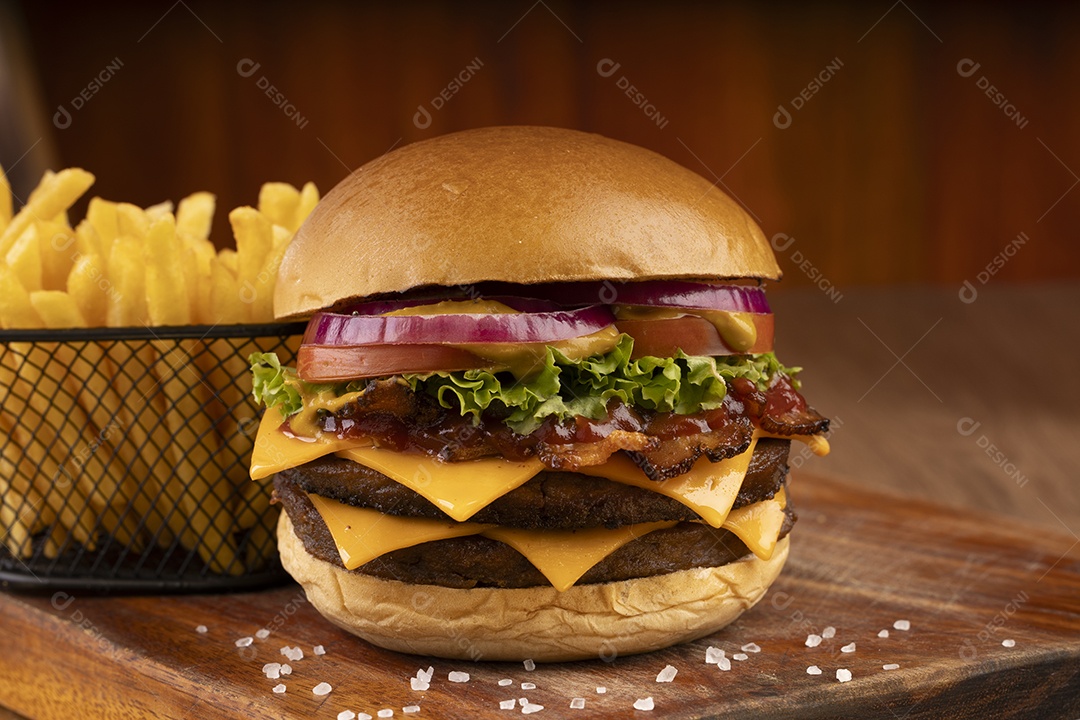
(860, 561)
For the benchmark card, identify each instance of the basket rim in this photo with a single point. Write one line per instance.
(163, 332)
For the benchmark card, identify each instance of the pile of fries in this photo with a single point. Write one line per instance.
(123, 443)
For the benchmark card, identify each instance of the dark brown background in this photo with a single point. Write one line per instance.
(899, 170)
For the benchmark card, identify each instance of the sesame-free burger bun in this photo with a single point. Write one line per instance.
(586, 621)
(515, 204)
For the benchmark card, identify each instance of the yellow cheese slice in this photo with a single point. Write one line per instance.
(758, 525)
(275, 451)
(362, 534)
(709, 489)
(563, 556)
(459, 489)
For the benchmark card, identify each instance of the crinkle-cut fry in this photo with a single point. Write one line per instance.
(24, 259)
(309, 198)
(195, 215)
(5, 201)
(52, 197)
(278, 202)
(166, 285)
(89, 286)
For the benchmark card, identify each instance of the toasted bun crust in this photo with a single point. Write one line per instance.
(586, 621)
(515, 204)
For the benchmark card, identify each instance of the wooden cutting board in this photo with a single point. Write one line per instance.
(860, 561)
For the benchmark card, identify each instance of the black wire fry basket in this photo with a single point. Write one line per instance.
(124, 459)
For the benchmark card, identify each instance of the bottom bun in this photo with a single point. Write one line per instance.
(587, 621)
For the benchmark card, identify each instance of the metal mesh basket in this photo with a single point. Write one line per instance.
(124, 459)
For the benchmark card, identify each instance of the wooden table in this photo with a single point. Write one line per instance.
(920, 385)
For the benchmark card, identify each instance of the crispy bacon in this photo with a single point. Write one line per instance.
(571, 456)
(780, 410)
(676, 456)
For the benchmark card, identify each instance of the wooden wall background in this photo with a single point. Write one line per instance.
(899, 170)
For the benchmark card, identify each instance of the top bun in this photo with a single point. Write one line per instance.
(515, 204)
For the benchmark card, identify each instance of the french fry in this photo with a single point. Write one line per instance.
(57, 309)
(53, 197)
(127, 302)
(88, 287)
(58, 247)
(309, 198)
(278, 202)
(262, 306)
(195, 215)
(5, 201)
(224, 293)
(254, 239)
(166, 287)
(16, 311)
(131, 220)
(156, 212)
(24, 258)
(102, 215)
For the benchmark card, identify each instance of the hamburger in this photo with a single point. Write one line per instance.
(536, 412)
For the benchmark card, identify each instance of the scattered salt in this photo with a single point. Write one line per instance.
(601, 690)
(849, 648)
(890, 666)
(363, 716)
(751, 648)
(530, 665)
(713, 655)
(724, 664)
(286, 670)
(285, 650)
(410, 709)
(577, 703)
(813, 670)
(507, 704)
(385, 713)
(528, 686)
(813, 640)
(458, 677)
(201, 629)
(426, 675)
(245, 641)
(843, 675)
(296, 654)
(530, 708)
(667, 674)
(644, 704)
(740, 656)
(1008, 642)
(506, 681)
(523, 701)
(279, 688)
(322, 689)
(262, 634)
(828, 632)
(902, 625)
(346, 715)
(419, 684)
(272, 670)
(318, 650)
(883, 634)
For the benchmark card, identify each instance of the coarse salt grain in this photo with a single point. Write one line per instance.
(849, 648)
(577, 703)
(530, 708)
(262, 634)
(813, 670)
(426, 675)
(713, 655)
(813, 640)
(296, 654)
(286, 670)
(891, 666)
(601, 690)
(272, 670)
(523, 701)
(458, 677)
(828, 632)
(346, 715)
(279, 688)
(1008, 642)
(528, 686)
(883, 634)
(902, 625)
(318, 650)
(385, 713)
(201, 629)
(507, 704)
(419, 684)
(410, 709)
(843, 675)
(285, 650)
(667, 674)
(506, 681)
(740, 656)
(321, 689)
(363, 716)
(245, 641)
(644, 703)
(724, 664)
(529, 665)
(751, 648)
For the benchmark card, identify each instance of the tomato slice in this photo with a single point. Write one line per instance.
(340, 363)
(692, 335)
